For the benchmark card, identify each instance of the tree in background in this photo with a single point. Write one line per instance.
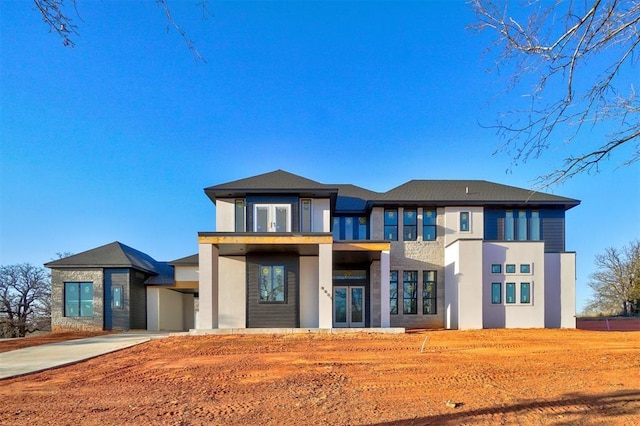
(573, 58)
(25, 300)
(59, 15)
(616, 282)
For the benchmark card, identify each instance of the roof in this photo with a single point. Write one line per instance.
(186, 261)
(165, 275)
(352, 198)
(112, 255)
(468, 192)
(277, 181)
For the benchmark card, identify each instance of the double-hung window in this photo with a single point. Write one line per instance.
(78, 299)
(428, 225)
(410, 225)
(391, 224)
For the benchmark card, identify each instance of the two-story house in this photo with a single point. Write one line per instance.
(290, 252)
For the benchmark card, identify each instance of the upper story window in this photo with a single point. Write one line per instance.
(272, 218)
(349, 228)
(428, 225)
(240, 216)
(410, 225)
(305, 215)
(391, 224)
(523, 225)
(465, 221)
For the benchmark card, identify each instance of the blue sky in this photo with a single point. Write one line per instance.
(116, 138)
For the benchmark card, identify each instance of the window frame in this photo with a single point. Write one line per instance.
(411, 228)
(240, 215)
(510, 268)
(525, 268)
(507, 288)
(522, 228)
(496, 268)
(410, 278)
(509, 226)
(271, 268)
(393, 285)
(465, 219)
(80, 285)
(391, 228)
(306, 224)
(430, 224)
(497, 286)
(429, 279)
(120, 298)
(526, 285)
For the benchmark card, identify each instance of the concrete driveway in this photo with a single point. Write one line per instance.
(43, 357)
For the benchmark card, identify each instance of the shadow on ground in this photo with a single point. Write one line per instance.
(574, 408)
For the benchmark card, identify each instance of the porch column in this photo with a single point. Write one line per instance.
(385, 312)
(325, 286)
(208, 286)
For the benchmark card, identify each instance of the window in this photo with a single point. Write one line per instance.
(336, 229)
(496, 293)
(464, 221)
(305, 215)
(534, 225)
(239, 215)
(272, 218)
(391, 224)
(496, 268)
(393, 292)
(78, 299)
(525, 293)
(117, 297)
(429, 287)
(410, 292)
(508, 225)
(511, 292)
(522, 225)
(525, 269)
(362, 228)
(429, 225)
(510, 268)
(272, 284)
(410, 225)
(348, 228)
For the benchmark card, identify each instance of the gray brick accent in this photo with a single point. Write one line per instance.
(61, 323)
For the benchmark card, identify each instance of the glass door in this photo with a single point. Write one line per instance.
(348, 306)
(272, 218)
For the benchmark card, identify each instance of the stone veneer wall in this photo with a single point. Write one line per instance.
(419, 256)
(61, 323)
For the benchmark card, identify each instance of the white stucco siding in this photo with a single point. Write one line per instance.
(452, 224)
(225, 215)
(171, 310)
(153, 309)
(208, 286)
(517, 314)
(325, 278)
(560, 295)
(309, 286)
(469, 278)
(232, 292)
(186, 273)
(321, 215)
(451, 262)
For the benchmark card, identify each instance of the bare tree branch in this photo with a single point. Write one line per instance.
(584, 46)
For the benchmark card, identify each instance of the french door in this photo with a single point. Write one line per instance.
(348, 306)
(272, 218)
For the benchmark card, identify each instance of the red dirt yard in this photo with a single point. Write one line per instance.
(488, 377)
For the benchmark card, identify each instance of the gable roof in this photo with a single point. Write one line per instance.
(112, 255)
(277, 181)
(468, 192)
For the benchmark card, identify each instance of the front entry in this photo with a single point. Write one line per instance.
(348, 306)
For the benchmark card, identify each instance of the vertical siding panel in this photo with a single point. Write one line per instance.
(138, 295)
